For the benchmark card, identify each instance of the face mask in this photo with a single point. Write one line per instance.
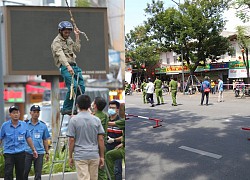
(111, 112)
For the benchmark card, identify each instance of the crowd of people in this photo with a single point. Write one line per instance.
(207, 86)
(96, 141)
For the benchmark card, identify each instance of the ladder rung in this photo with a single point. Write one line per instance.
(58, 161)
(62, 136)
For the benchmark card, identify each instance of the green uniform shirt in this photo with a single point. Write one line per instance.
(143, 85)
(173, 85)
(121, 124)
(63, 50)
(158, 84)
(104, 120)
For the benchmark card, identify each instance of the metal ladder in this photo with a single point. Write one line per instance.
(56, 150)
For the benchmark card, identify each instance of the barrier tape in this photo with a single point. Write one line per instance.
(157, 124)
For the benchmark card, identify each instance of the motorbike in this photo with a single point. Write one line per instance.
(237, 92)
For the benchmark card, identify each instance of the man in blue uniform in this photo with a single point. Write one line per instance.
(14, 134)
(39, 134)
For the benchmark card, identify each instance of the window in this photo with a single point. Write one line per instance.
(168, 60)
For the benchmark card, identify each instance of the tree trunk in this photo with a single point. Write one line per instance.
(247, 66)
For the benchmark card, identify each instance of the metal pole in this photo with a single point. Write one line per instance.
(182, 70)
(55, 108)
(1, 73)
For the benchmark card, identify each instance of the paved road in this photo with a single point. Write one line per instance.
(195, 142)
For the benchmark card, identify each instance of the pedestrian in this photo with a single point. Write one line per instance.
(40, 135)
(63, 48)
(114, 135)
(234, 85)
(143, 85)
(118, 152)
(158, 90)
(205, 89)
(150, 92)
(173, 88)
(220, 90)
(179, 86)
(85, 134)
(98, 106)
(14, 135)
(212, 87)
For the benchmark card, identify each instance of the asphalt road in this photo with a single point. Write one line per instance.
(194, 143)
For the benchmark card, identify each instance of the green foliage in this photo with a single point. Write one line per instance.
(58, 167)
(243, 9)
(82, 3)
(244, 43)
(140, 48)
(194, 28)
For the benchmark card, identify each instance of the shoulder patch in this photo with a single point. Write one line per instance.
(42, 122)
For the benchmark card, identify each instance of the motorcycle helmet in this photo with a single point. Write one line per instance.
(65, 25)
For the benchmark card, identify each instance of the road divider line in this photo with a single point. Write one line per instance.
(204, 153)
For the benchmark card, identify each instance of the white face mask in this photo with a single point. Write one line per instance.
(111, 112)
(92, 106)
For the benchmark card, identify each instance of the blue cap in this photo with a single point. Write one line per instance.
(35, 108)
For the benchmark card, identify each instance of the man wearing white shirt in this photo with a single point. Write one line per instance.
(150, 92)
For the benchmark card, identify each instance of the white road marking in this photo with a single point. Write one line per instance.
(228, 120)
(216, 156)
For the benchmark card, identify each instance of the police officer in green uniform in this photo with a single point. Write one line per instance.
(144, 92)
(158, 90)
(97, 106)
(173, 88)
(118, 152)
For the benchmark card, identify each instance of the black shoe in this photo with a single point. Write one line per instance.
(158, 104)
(152, 105)
(162, 103)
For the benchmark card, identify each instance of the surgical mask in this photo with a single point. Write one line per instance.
(92, 106)
(111, 112)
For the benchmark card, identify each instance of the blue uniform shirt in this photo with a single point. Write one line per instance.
(14, 138)
(38, 132)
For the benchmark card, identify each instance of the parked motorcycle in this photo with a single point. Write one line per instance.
(237, 92)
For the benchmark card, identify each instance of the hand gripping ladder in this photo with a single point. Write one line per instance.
(60, 136)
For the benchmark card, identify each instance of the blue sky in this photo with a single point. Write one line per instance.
(134, 12)
(135, 15)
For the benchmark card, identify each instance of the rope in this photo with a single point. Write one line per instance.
(73, 21)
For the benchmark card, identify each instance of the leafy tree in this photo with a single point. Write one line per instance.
(243, 9)
(82, 3)
(194, 28)
(244, 43)
(140, 48)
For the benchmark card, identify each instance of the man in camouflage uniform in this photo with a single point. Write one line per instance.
(158, 90)
(63, 48)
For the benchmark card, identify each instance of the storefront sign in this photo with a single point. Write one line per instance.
(237, 65)
(218, 66)
(237, 73)
(14, 95)
(202, 68)
(176, 69)
(160, 70)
